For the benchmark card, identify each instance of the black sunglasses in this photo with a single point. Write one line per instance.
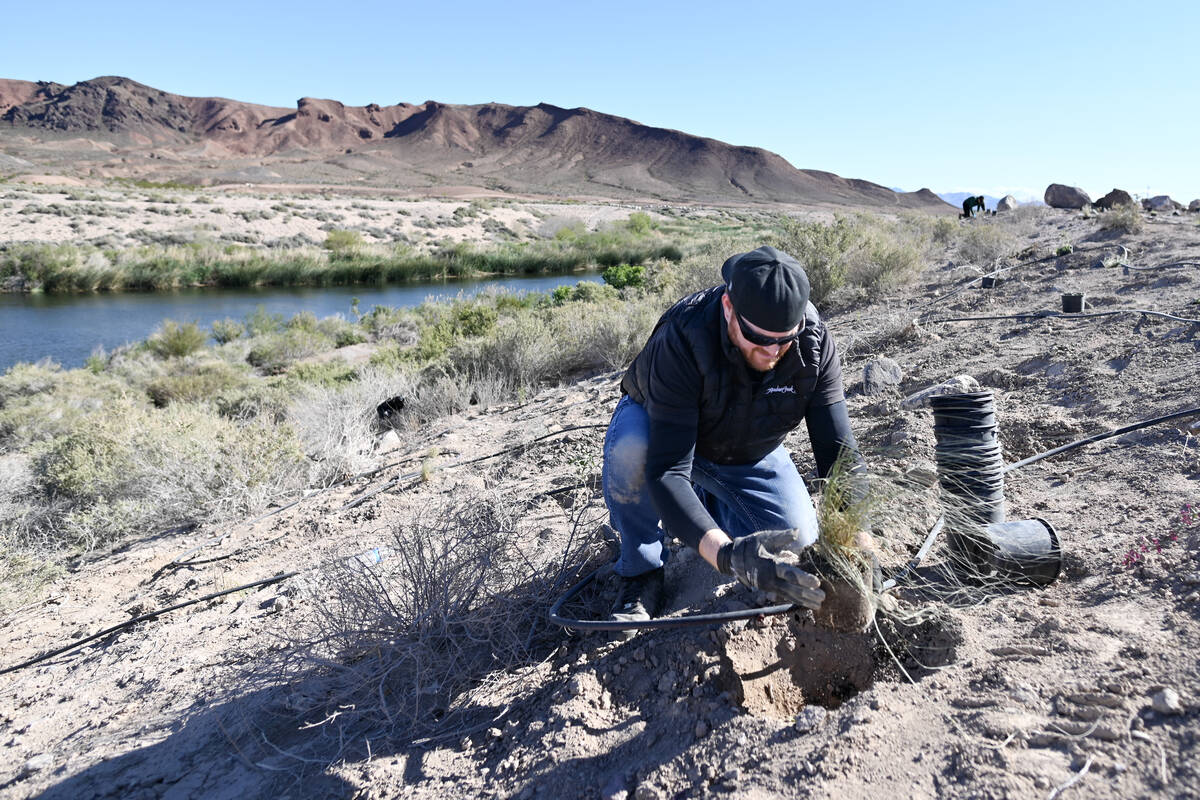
(765, 341)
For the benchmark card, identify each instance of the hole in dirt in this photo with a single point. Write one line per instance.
(776, 668)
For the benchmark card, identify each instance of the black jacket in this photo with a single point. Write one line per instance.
(690, 372)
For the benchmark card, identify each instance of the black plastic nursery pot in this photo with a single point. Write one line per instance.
(1073, 303)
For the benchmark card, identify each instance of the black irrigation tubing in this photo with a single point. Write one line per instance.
(144, 618)
(974, 280)
(1097, 437)
(750, 613)
(178, 561)
(1183, 263)
(1059, 315)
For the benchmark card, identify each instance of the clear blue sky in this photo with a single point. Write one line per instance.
(990, 97)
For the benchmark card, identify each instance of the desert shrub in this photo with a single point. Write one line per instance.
(41, 401)
(639, 223)
(944, 230)
(623, 275)
(275, 352)
(984, 243)
(446, 610)
(329, 373)
(443, 326)
(226, 330)
(260, 321)
(1126, 218)
(268, 401)
(826, 252)
(131, 469)
(338, 240)
(174, 340)
(196, 384)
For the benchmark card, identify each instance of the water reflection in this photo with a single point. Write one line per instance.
(68, 328)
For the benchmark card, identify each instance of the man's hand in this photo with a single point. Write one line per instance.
(765, 561)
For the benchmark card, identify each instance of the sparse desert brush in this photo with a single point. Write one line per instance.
(338, 240)
(174, 339)
(132, 469)
(419, 632)
(41, 401)
(273, 353)
(985, 241)
(226, 330)
(329, 373)
(336, 423)
(197, 383)
(1126, 218)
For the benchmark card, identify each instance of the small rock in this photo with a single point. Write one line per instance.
(37, 764)
(647, 792)
(1041, 782)
(1166, 701)
(810, 718)
(742, 740)
(731, 777)
(881, 374)
(666, 683)
(959, 384)
(1194, 597)
(1191, 579)
(280, 603)
(494, 733)
(388, 442)
(701, 729)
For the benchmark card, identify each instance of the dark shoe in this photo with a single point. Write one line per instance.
(640, 597)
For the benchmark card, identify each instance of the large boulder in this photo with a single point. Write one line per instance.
(1117, 197)
(1160, 202)
(1060, 196)
(1007, 203)
(1194, 206)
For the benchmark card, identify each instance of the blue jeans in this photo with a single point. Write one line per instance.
(742, 498)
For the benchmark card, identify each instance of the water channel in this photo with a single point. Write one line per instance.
(70, 327)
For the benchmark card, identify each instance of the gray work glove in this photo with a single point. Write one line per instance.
(765, 561)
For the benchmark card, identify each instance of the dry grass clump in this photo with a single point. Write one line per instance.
(985, 241)
(416, 634)
(1126, 218)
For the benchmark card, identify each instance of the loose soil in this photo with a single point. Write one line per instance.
(979, 692)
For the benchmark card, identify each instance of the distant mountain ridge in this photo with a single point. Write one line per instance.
(538, 149)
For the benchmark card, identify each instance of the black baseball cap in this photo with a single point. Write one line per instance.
(767, 287)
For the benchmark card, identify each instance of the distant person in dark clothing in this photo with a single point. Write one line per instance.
(972, 203)
(696, 439)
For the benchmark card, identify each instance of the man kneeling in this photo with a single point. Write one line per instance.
(696, 439)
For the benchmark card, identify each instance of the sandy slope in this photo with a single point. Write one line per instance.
(1011, 694)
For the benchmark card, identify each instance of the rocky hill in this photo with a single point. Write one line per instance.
(132, 130)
